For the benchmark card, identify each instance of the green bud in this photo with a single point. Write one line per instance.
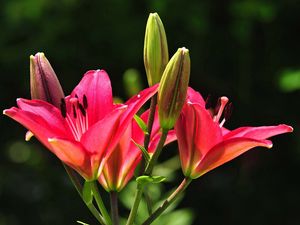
(156, 54)
(44, 84)
(173, 88)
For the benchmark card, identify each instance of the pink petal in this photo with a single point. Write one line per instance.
(96, 86)
(73, 154)
(99, 138)
(43, 109)
(259, 133)
(197, 133)
(226, 151)
(156, 137)
(39, 126)
(195, 97)
(134, 104)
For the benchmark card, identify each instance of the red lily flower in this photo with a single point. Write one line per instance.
(203, 142)
(86, 128)
(124, 159)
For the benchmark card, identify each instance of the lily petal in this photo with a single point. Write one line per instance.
(99, 138)
(39, 126)
(155, 139)
(226, 151)
(134, 104)
(72, 153)
(48, 112)
(260, 133)
(195, 97)
(96, 86)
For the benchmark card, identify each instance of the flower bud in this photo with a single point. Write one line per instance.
(156, 54)
(173, 88)
(44, 84)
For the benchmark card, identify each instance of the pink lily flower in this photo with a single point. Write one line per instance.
(119, 168)
(203, 142)
(87, 126)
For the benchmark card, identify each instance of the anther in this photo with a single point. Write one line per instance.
(85, 102)
(82, 110)
(63, 108)
(74, 111)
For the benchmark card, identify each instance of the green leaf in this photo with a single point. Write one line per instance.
(83, 223)
(144, 151)
(141, 124)
(142, 180)
(87, 194)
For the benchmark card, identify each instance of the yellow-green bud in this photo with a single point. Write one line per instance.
(173, 88)
(44, 84)
(156, 54)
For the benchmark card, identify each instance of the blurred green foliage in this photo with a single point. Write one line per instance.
(240, 48)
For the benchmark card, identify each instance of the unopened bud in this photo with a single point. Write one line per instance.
(173, 88)
(44, 84)
(156, 54)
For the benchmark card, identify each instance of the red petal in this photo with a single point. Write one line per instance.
(197, 133)
(134, 104)
(100, 138)
(43, 109)
(259, 133)
(42, 128)
(73, 154)
(226, 151)
(156, 137)
(195, 97)
(96, 86)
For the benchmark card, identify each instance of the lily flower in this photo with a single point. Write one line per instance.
(203, 142)
(85, 128)
(119, 168)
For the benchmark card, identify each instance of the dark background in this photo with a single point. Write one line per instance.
(247, 50)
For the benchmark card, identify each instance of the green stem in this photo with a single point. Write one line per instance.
(114, 207)
(75, 181)
(148, 171)
(150, 121)
(184, 184)
(137, 199)
(148, 201)
(149, 129)
(100, 203)
(150, 166)
(95, 213)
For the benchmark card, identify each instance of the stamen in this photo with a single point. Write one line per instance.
(223, 101)
(85, 102)
(82, 110)
(63, 108)
(74, 111)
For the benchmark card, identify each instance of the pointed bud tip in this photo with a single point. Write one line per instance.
(4, 112)
(184, 50)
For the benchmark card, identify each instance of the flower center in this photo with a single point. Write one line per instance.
(75, 114)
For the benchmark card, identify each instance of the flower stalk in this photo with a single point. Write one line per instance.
(184, 184)
(100, 203)
(114, 207)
